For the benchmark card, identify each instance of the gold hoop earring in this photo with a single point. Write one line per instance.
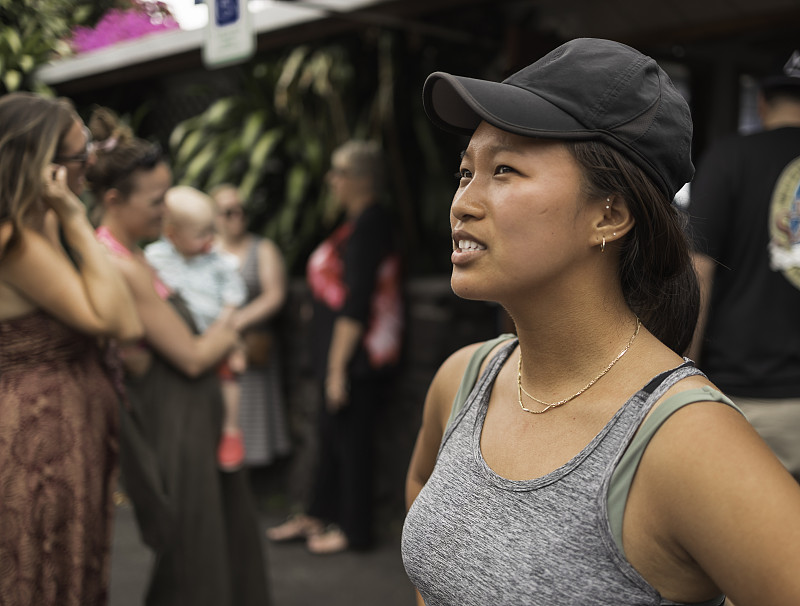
(603, 245)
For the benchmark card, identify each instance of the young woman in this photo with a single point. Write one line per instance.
(200, 522)
(591, 464)
(58, 405)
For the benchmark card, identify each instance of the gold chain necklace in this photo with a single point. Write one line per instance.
(549, 405)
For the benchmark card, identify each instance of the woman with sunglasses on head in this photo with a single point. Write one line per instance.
(58, 404)
(200, 522)
(262, 414)
(590, 463)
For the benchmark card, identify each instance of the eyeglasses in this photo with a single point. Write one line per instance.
(234, 211)
(338, 171)
(83, 157)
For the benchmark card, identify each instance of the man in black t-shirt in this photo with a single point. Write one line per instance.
(745, 220)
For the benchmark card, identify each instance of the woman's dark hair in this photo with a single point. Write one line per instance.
(656, 270)
(119, 154)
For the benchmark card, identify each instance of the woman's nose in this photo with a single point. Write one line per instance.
(467, 202)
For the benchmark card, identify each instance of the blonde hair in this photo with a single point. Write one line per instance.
(218, 189)
(32, 129)
(363, 159)
(186, 203)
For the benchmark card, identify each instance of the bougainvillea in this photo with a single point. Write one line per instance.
(33, 33)
(143, 18)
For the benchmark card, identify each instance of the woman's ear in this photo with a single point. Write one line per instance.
(614, 219)
(112, 197)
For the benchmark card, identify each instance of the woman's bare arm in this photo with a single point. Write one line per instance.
(726, 502)
(438, 404)
(272, 276)
(93, 299)
(166, 331)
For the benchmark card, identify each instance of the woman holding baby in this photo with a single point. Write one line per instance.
(200, 521)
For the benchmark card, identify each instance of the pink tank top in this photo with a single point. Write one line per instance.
(105, 236)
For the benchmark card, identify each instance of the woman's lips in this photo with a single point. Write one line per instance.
(466, 248)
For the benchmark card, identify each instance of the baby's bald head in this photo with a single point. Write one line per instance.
(189, 220)
(185, 203)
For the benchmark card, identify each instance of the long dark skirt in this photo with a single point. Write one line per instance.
(201, 523)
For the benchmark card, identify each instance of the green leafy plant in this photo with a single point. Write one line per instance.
(33, 32)
(273, 140)
(274, 136)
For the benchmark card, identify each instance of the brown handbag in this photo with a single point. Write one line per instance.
(258, 347)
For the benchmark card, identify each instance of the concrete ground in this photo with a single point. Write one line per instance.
(374, 578)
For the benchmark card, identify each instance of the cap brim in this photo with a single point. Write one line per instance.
(458, 104)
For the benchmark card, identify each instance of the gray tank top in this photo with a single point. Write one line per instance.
(474, 538)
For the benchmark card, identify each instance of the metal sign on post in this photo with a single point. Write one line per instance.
(229, 35)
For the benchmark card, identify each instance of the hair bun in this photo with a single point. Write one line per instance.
(106, 126)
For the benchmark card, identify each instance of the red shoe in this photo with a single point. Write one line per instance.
(230, 452)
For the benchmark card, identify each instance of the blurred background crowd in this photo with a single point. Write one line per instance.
(295, 148)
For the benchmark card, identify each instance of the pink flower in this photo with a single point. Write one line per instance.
(143, 18)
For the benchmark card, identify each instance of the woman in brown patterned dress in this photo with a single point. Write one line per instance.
(58, 406)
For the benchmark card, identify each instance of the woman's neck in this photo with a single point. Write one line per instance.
(35, 218)
(120, 234)
(234, 243)
(358, 205)
(571, 342)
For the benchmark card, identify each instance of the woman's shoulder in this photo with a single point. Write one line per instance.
(23, 238)
(695, 415)
(450, 373)
(691, 389)
(138, 273)
(460, 359)
(264, 244)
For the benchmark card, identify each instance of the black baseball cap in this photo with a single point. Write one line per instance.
(586, 89)
(787, 78)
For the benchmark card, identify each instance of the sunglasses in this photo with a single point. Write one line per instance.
(83, 157)
(234, 211)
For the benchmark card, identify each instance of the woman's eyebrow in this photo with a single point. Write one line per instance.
(493, 149)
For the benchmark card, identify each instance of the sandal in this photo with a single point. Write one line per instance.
(297, 527)
(331, 541)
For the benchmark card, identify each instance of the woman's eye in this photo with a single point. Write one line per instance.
(462, 173)
(503, 169)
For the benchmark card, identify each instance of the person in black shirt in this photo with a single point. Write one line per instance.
(354, 276)
(745, 219)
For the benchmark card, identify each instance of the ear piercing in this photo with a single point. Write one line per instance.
(603, 243)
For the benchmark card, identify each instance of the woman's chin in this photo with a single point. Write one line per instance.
(467, 289)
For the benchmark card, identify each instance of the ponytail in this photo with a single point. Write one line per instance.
(656, 271)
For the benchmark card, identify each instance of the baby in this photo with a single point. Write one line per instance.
(210, 285)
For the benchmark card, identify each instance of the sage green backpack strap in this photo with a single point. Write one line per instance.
(471, 373)
(622, 477)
